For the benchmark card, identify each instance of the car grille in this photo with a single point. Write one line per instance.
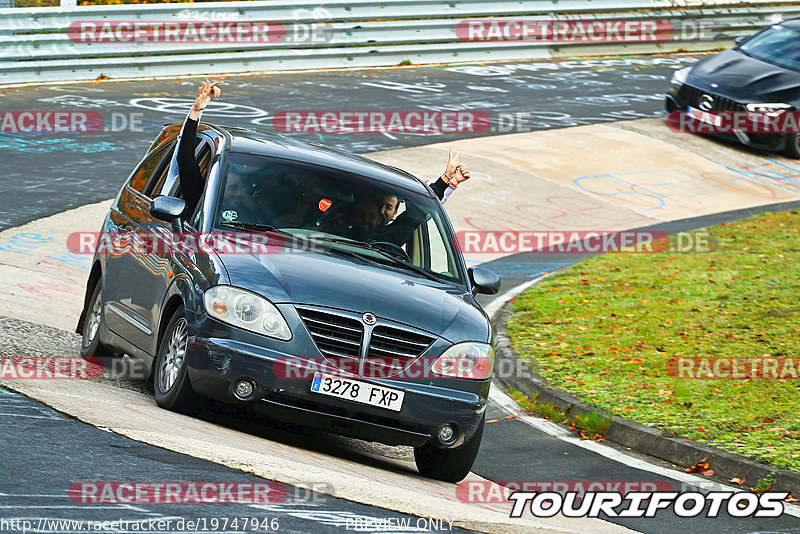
(691, 96)
(337, 337)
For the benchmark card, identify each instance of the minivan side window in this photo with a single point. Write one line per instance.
(163, 185)
(141, 176)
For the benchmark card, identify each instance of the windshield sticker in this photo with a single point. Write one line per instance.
(229, 215)
(324, 204)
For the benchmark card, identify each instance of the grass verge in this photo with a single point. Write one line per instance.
(605, 330)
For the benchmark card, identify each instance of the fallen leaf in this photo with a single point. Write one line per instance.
(700, 467)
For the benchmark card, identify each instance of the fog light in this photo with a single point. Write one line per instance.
(243, 389)
(446, 433)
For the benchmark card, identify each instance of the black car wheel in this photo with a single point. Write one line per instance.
(173, 390)
(793, 146)
(450, 465)
(90, 343)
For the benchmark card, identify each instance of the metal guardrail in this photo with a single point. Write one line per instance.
(35, 44)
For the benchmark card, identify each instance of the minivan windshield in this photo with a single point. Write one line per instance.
(338, 210)
(776, 44)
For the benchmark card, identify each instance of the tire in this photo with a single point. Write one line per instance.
(449, 465)
(172, 389)
(792, 148)
(90, 342)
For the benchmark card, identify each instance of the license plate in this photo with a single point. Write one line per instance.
(357, 391)
(705, 116)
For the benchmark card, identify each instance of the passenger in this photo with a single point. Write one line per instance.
(188, 170)
(372, 218)
(454, 174)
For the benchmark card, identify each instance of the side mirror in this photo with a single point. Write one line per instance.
(484, 281)
(168, 209)
(739, 40)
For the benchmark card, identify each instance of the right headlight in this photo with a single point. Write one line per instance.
(246, 310)
(470, 360)
(770, 108)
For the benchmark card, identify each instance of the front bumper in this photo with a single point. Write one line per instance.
(220, 356)
(771, 142)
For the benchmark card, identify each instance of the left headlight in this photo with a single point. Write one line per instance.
(679, 76)
(473, 361)
(246, 310)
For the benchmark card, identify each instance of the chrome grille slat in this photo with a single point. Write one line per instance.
(332, 325)
(393, 340)
(373, 348)
(387, 340)
(335, 335)
(339, 336)
(338, 340)
(335, 354)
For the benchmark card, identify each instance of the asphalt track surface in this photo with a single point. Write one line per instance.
(45, 452)
(39, 463)
(48, 173)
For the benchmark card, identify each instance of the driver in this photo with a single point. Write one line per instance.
(238, 199)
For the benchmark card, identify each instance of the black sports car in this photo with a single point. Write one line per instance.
(282, 308)
(761, 74)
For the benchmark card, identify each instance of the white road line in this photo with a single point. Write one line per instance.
(68, 506)
(32, 416)
(48, 495)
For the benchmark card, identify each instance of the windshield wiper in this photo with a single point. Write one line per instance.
(256, 227)
(388, 255)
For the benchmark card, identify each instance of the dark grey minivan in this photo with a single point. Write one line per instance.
(288, 295)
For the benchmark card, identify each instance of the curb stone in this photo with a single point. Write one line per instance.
(641, 438)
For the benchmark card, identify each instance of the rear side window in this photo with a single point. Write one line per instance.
(149, 167)
(165, 185)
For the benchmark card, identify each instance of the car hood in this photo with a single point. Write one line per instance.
(743, 78)
(331, 280)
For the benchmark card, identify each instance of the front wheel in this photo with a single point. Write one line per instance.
(173, 391)
(90, 342)
(450, 465)
(792, 148)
